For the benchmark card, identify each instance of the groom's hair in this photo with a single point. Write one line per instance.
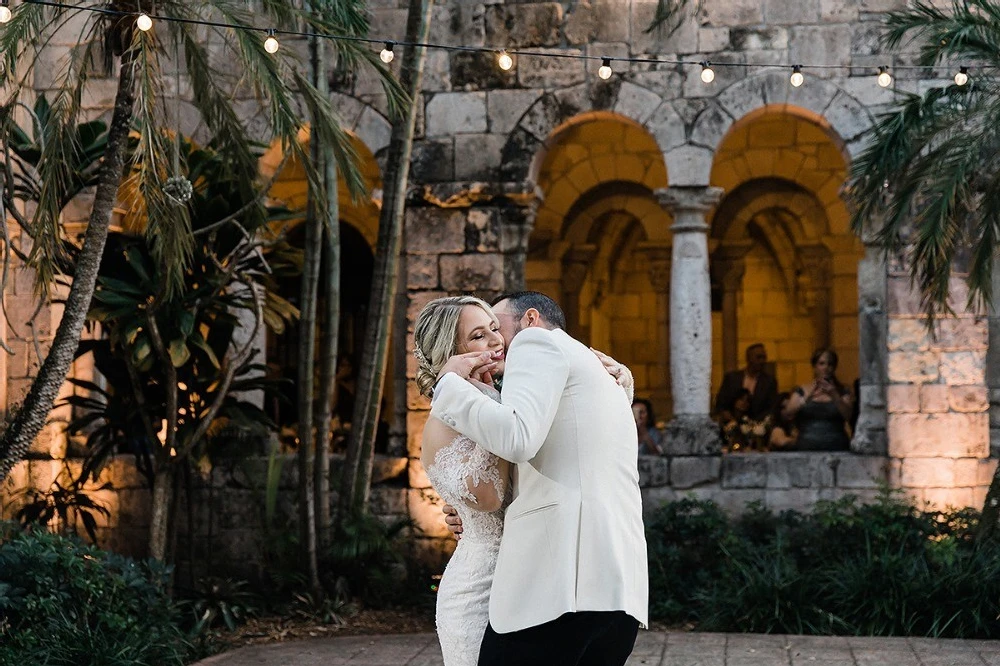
(522, 301)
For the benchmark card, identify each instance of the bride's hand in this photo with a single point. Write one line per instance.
(617, 370)
(470, 364)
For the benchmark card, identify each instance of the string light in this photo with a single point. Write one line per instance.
(707, 73)
(504, 61)
(605, 71)
(797, 79)
(884, 78)
(271, 43)
(5, 14)
(144, 23)
(387, 55)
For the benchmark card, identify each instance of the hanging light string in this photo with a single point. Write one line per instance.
(505, 58)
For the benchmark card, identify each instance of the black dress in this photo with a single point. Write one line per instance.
(821, 426)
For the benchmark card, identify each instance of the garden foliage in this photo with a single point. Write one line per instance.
(886, 568)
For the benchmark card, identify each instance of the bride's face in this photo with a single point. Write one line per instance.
(479, 331)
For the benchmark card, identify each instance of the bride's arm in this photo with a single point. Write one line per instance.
(487, 491)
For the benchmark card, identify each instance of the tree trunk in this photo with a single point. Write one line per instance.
(364, 424)
(989, 520)
(163, 494)
(307, 354)
(330, 340)
(34, 411)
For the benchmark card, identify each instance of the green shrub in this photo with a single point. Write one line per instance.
(64, 602)
(885, 568)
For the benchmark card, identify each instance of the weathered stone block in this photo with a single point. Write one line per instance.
(908, 335)
(939, 435)
(737, 12)
(746, 470)
(933, 398)
(862, 471)
(985, 470)
(477, 70)
(478, 156)
(388, 501)
(962, 333)
(967, 398)
(734, 501)
(928, 473)
(690, 471)
(422, 272)
(504, 108)
(472, 272)
(387, 468)
(903, 398)
(418, 300)
(455, 113)
(687, 436)
(482, 230)
(945, 498)
(431, 230)
(599, 21)
(414, 399)
(711, 40)
(913, 367)
(636, 102)
(758, 38)
(792, 499)
(434, 160)
(551, 73)
(963, 367)
(521, 25)
(653, 471)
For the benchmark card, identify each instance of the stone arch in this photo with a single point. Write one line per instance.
(848, 118)
(527, 144)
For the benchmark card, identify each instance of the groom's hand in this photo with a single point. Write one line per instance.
(469, 364)
(453, 521)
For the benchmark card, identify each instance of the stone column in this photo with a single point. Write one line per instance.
(692, 430)
(870, 433)
(729, 266)
(660, 260)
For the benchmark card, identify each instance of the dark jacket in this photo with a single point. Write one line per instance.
(762, 400)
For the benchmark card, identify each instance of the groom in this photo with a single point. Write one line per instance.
(571, 581)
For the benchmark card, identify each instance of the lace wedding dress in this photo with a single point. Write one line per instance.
(463, 596)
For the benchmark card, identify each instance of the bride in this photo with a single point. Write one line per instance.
(470, 479)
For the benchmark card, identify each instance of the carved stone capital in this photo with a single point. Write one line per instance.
(660, 258)
(688, 206)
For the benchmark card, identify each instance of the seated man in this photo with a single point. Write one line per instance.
(763, 387)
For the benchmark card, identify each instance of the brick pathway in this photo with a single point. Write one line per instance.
(652, 648)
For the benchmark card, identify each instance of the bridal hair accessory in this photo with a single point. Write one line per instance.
(420, 357)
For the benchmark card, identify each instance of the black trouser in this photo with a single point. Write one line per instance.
(587, 638)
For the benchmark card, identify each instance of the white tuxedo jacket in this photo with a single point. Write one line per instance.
(573, 537)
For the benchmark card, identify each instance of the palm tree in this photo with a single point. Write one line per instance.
(275, 81)
(927, 187)
(928, 182)
(356, 481)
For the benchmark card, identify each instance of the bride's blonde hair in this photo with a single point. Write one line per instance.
(435, 336)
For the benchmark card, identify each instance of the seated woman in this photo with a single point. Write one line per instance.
(821, 407)
(650, 437)
(783, 431)
(736, 423)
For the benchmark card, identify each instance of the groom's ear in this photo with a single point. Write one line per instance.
(533, 316)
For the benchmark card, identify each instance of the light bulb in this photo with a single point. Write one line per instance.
(387, 55)
(884, 78)
(271, 43)
(797, 79)
(605, 71)
(5, 14)
(505, 61)
(962, 77)
(707, 73)
(144, 23)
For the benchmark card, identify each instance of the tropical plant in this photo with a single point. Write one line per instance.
(927, 186)
(155, 168)
(65, 603)
(64, 503)
(177, 374)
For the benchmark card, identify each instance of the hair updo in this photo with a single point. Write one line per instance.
(435, 336)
